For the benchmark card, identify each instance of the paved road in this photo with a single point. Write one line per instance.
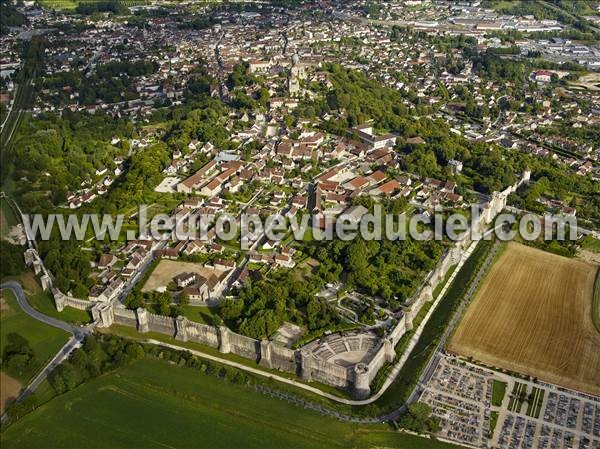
(78, 334)
(256, 371)
(64, 352)
(389, 380)
(456, 316)
(15, 287)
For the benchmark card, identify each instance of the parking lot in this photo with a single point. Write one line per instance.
(569, 420)
(460, 395)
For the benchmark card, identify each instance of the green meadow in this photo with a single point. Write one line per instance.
(44, 340)
(152, 403)
(44, 303)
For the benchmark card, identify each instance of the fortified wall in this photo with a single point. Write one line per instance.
(364, 373)
(303, 362)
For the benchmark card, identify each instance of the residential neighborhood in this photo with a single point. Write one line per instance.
(202, 157)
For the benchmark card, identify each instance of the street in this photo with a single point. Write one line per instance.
(78, 335)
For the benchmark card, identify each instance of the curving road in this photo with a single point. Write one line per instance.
(429, 369)
(391, 377)
(77, 336)
(78, 332)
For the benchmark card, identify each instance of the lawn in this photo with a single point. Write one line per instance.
(200, 314)
(129, 332)
(498, 392)
(534, 404)
(437, 290)
(152, 404)
(517, 397)
(493, 422)
(44, 303)
(44, 340)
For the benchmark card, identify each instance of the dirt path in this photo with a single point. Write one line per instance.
(9, 390)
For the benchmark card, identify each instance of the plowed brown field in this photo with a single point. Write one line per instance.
(533, 315)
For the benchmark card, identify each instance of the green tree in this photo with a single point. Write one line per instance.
(184, 300)
(17, 354)
(418, 419)
(230, 308)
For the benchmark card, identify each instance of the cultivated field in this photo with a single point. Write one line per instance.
(533, 315)
(153, 404)
(166, 270)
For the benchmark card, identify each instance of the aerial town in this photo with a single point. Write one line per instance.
(181, 115)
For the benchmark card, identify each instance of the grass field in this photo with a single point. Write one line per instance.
(498, 392)
(28, 280)
(493, 422)
(45, 304)
(59, 4)
(72, 4)
(132, 333)
(533, 315)
(154, 404)
(200, 314)
(44, 340)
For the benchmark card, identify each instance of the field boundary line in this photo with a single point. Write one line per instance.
(596, 302)
(475, 284)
